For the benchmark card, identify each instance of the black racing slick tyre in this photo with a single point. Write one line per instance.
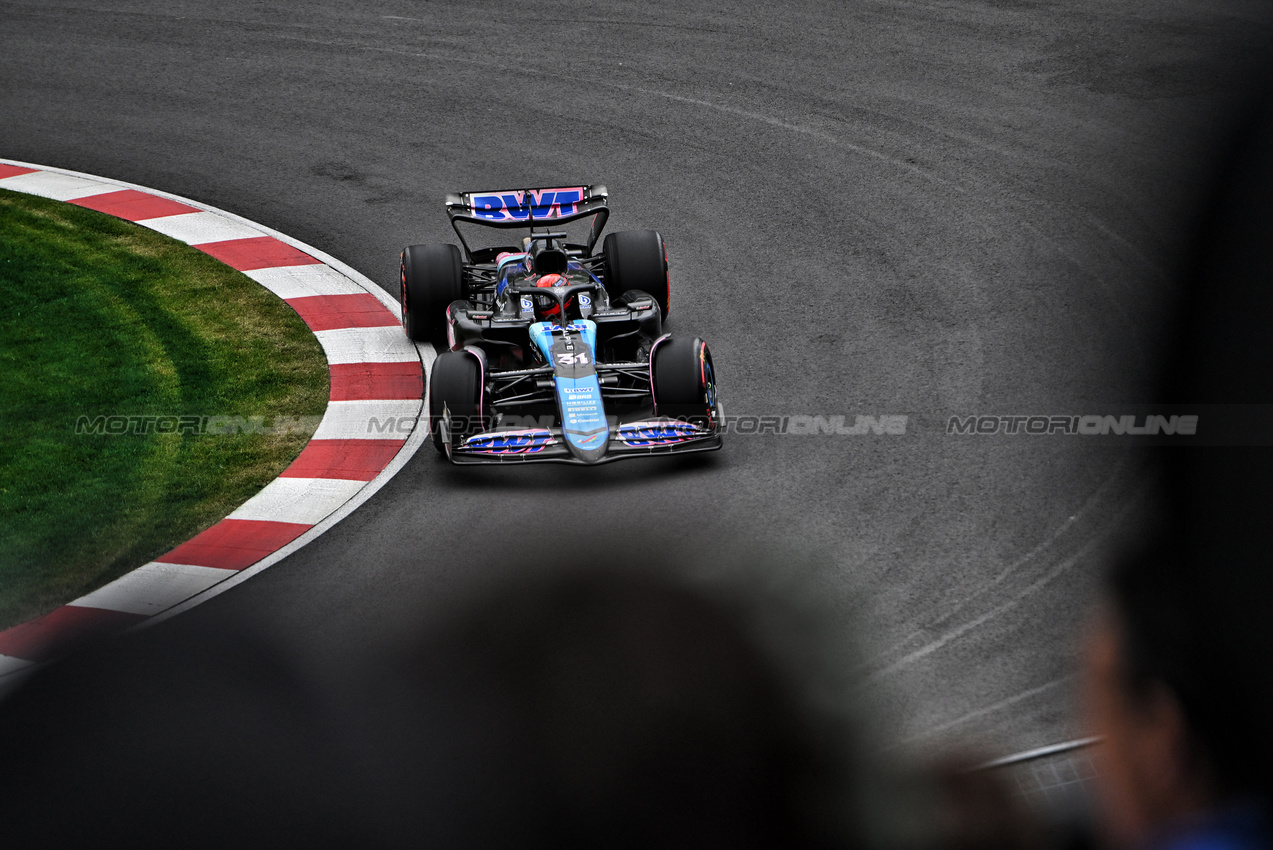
(636, 259)
(431, 280)
(455, 387)
(683, 381)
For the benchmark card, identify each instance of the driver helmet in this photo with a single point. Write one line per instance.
(545, 306)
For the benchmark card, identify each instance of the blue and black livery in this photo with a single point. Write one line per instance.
(550, 350)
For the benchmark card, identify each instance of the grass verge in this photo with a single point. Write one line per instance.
(101, 317)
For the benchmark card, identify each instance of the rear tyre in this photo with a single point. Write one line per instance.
(431, 280)
(683, 381)
(455, 385)
(636, 259)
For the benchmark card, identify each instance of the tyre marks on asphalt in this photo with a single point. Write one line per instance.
(1014, 598)
(367, 433)
(1091, 526)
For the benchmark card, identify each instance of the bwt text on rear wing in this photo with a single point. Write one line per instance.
(528, 207)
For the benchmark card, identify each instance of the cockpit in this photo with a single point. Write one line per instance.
(544, 264)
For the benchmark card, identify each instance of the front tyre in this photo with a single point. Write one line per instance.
(683, 381)
(431, 280)
(455, 387)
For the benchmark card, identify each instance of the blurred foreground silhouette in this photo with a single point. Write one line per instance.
(616, 708)
(1179, 673)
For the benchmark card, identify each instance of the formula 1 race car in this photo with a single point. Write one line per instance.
(547, 351)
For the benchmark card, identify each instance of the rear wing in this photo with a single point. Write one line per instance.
(507, 208)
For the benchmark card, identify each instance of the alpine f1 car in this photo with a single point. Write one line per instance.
(547, 350)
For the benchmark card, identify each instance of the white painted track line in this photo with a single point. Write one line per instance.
(367, 420)
(301, 281)
(9, 664)
(153, 587)
(200, 227)
(56, 186)
(365, 345)
(301, 500)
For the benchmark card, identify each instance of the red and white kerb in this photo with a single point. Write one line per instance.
(377, 375)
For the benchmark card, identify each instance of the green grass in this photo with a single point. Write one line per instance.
(100, 317)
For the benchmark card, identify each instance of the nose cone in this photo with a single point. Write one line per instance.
(583, 417)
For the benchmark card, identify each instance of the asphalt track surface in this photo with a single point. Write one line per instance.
(875, 208)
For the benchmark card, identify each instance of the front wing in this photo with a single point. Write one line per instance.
(547, 445)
